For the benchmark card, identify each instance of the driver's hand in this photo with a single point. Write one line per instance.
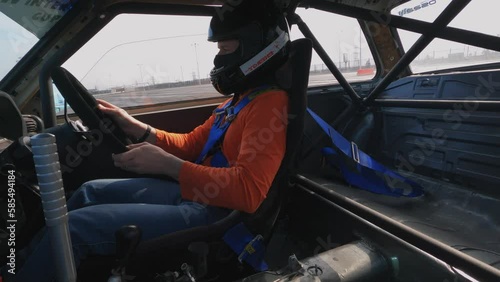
(126, 122)
(145, 158)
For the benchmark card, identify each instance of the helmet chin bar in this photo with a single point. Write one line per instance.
(224, 83)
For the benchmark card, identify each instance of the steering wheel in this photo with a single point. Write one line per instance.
(85, 106)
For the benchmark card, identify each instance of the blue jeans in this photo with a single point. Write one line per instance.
(101, 207)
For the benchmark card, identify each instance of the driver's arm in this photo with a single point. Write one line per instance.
(187, 146)
(254, 160)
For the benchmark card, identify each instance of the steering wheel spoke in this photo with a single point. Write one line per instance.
(85, 106)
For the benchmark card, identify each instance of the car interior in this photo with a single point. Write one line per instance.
(439, 129)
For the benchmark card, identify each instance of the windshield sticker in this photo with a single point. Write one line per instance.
(420, 6)
(36, 16)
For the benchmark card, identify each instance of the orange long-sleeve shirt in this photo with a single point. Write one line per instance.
(254, 146)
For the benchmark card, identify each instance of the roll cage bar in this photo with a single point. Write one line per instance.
(429, 31)
(438, 29)
(380, 223)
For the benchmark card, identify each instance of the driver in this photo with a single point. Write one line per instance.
(214, 174)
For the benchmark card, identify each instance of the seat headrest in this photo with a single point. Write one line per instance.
(299, 60)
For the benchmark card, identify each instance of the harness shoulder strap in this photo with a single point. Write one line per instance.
(223, 118)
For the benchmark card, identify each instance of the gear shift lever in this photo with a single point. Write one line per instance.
(127, 239)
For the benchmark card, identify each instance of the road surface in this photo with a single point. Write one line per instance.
(167, 95)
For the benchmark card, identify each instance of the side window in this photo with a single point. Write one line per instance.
(478, 16)
(140, 60)
(345, 43)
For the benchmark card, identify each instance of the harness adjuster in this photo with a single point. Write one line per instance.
(218, 115)
(249, 248)
(230, 114)
(219, 111)
(355, 152)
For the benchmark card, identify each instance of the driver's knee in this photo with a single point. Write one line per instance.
(86, 195)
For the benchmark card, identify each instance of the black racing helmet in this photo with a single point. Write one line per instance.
(264, 43)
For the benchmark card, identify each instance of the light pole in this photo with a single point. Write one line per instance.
(360, 33)
(339, 50)
(134, 42)
(140, 71)
(197, 64)
(340, 63)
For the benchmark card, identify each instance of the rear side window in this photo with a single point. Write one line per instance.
(478, 15)
(344, 42)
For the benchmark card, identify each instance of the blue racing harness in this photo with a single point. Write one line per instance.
(223, 118)
(361, 170)
(249, 248)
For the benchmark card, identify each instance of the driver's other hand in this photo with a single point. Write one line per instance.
(145, 158)
(126, 122)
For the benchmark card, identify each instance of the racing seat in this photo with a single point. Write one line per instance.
(293, 77)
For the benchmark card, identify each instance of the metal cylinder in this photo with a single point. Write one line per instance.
(54, 204)
(354, 262)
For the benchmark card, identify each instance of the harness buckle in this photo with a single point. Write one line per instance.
(250, 248)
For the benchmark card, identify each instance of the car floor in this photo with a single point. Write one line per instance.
(463, 219)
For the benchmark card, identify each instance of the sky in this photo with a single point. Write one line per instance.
(479, 16)
(161, 48)
(146, 49)
(139, 58)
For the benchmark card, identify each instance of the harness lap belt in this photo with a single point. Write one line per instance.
(248, 247)
(361, 170)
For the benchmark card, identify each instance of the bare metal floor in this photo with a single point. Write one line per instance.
(464, 220)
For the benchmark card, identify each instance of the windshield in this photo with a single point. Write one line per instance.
(23, 23)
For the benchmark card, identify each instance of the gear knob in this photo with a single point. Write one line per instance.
(127, 239)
